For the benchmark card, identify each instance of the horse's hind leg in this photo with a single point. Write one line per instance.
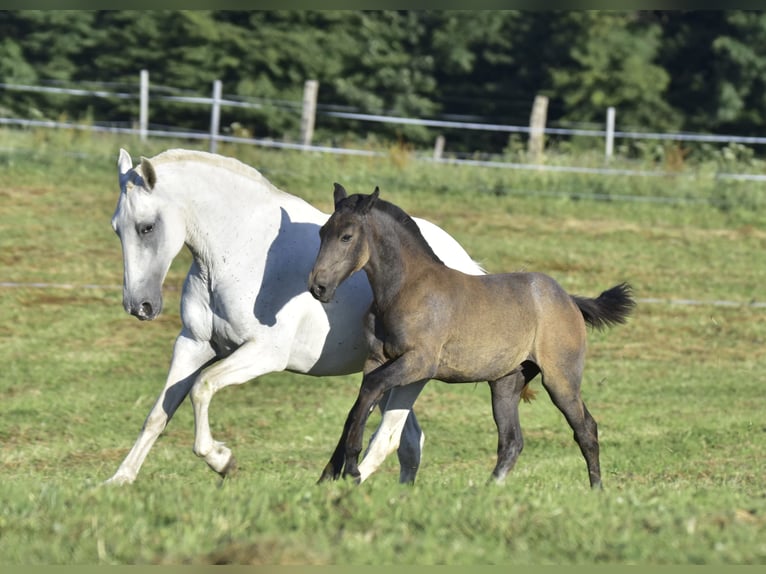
(564, 390)
(506, 393)
(398, 430)
(410, 449)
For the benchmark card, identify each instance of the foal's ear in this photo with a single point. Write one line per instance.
(338, 194)
(367, 202)
(150, 176)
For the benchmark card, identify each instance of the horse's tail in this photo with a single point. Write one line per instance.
(610, 308)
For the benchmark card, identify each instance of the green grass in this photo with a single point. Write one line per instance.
(678, 392)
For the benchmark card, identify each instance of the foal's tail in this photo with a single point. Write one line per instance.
(610, 308)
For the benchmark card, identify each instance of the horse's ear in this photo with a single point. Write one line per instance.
(124, 162)
(150, 176)
(366, 204)
(338, 194)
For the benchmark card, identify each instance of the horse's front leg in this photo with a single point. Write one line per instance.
(189, 357)
(249, 361)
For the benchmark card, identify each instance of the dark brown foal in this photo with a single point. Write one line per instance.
(428, 321)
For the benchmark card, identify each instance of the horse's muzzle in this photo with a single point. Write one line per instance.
(145, 311)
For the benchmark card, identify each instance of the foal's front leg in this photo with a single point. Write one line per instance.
(334, 467)
(404, 370)
(398, 431)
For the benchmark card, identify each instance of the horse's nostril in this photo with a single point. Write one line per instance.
(146, 309)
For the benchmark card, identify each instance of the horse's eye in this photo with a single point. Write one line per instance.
(146, 229)
(346, 238)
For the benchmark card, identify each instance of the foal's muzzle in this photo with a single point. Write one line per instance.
(318, 290)
(321, 293)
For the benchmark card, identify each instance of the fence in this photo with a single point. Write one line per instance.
(310, 109)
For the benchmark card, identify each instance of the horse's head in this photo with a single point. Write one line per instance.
(152, 232)
(344, 248)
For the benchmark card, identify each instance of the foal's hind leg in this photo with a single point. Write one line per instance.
(506, 393)
(564, 390)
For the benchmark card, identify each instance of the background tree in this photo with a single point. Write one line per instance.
(717, 62)
(699, 70)
(609, 60)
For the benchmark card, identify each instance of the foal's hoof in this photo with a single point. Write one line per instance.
(329, 473)
(355, 475)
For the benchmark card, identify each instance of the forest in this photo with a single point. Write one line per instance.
(702, 71)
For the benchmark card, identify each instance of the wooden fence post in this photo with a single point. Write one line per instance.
(609, 132)
(143, 112)
(537, 127)
(438, 147)
(215, 116)
(310, 89)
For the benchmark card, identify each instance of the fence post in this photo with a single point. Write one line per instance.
(215, 116)
(143, 113)
(439, 147)
(609, 132)
(537, 127)
(310, 89)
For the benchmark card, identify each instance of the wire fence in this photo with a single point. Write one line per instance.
(216, 101)
(164, 94)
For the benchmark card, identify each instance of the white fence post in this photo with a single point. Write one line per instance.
(609, 132)
(143, 114)
(537, 127)
(215, 116)
(308, 117)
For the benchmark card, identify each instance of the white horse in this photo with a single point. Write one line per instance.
(245, 307)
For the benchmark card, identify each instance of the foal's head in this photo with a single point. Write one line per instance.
(344, 248)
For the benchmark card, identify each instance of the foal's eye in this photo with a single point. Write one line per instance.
(146, 229)
(346, 238)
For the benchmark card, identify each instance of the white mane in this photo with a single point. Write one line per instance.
(229, 163)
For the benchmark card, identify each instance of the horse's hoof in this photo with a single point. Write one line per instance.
(116, 481)
(230, 469)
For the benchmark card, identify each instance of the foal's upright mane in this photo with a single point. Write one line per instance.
(409, 225)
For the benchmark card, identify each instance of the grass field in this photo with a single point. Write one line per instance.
(679, 392)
